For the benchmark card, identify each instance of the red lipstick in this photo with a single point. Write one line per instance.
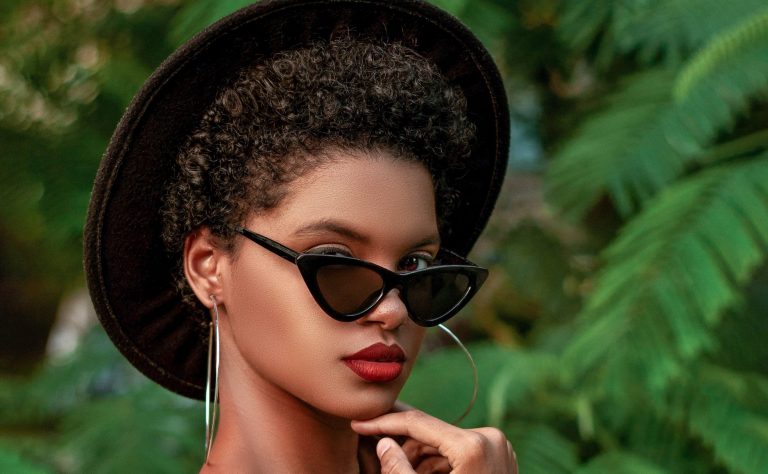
(377, 363)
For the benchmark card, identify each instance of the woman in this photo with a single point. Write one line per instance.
(293, 184)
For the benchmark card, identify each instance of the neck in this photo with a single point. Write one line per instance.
(265, 429)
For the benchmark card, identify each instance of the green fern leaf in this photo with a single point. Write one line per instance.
(719, 83)
(541, 449)
(728, 412)
(446, 371)
(581, 21)
(653, 434)
(671, 273)
(623, 150)
(658, 29)
(145, 430)
(751, 34)
(671, 30)
(523, 374)
(642, 139)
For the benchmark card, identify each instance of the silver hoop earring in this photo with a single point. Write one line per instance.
(210, 411)
(474, 373)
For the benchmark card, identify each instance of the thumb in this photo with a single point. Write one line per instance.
(392, 458)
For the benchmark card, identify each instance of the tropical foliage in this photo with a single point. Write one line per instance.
(623, 328)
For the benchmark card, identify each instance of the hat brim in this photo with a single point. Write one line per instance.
(128, 272)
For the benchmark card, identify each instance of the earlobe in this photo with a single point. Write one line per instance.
(202, 265)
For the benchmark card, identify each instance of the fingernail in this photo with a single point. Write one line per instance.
(383, 446)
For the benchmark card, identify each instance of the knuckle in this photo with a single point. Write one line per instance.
(413, 416)
(496, 437)
(475, 445)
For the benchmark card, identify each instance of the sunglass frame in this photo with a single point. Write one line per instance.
(310, 264)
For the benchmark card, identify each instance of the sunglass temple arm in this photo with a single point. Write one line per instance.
(269, 244)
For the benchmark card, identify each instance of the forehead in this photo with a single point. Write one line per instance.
(385, 199)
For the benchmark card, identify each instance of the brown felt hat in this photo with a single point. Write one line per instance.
(129, 274)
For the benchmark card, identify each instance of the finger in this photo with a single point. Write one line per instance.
(498, 447)
(416, 450)
(474, 450)
(512, 457)
(412, 450)
(414, 424)
(495, 438)
(392, 458)
(434, 464)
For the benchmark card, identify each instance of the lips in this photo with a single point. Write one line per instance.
(377, 363)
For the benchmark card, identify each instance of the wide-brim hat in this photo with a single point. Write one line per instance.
(129, 274)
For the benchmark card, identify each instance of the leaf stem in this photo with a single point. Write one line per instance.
(735, 148)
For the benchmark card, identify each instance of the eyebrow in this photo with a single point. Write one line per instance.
(333, 226)
(344, 230)
(433, 239)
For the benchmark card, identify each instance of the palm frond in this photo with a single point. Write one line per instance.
(727, 411)
(742, 333)
(542, 450)
(720, 81)
(101, 404)
(655, 30)
(622, 150)
(657, 123)
(671, 30)
(672, 272)
(581, 21)
(447, 371)
(653, 434)
(522, 375)
(149, 421)
(719, 53)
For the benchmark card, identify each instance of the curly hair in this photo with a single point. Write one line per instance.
(279, 118)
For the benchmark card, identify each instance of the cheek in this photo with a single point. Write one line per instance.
(280, 334)
(269, 311)
(413, 336)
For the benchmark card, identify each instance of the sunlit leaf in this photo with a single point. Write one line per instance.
(672, 272)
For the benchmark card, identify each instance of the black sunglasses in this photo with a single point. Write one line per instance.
(347, 288)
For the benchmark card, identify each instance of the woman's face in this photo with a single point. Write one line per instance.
(277, 339)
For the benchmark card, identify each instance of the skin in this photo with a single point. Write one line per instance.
(286, 397)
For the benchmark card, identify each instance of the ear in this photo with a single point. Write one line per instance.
(203, 262)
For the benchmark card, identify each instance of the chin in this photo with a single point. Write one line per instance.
(373, 412)
(366, 407)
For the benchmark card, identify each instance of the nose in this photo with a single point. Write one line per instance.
(390, 313)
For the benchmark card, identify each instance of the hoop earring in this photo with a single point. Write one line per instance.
(474, 373)
(210, 411)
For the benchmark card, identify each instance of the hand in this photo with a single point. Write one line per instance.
(432, 445)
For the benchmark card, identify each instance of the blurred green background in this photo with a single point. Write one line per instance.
(624, 327)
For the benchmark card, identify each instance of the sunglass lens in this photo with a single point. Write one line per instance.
(349, 289)
(433, 294)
